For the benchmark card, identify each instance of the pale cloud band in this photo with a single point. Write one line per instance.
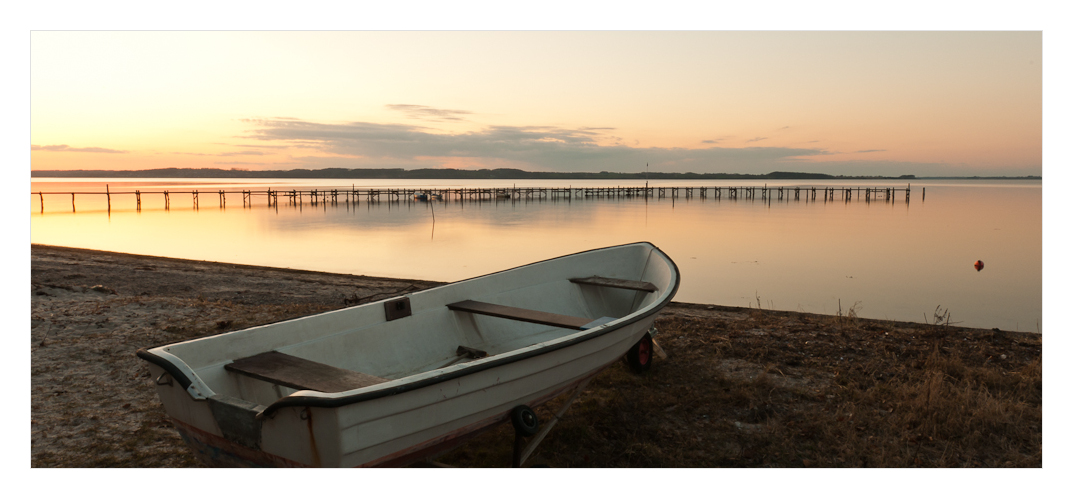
(67, 148)
(428, 113)
(545, 148)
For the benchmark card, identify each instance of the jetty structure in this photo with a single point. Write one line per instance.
(355, 195)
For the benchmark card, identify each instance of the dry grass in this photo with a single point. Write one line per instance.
(754, 388)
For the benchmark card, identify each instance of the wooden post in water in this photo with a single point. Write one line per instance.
(109, 195)
(72, 202)
(138, 198)
(923, 192)
(167, 201)
(195, 199)
(42, 197)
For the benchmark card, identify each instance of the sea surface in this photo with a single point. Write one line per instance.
(886, 260)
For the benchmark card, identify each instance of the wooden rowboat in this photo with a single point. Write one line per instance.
(393, 382)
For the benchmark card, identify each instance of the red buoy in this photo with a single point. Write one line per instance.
(979, 265)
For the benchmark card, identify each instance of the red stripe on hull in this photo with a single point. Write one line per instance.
(219, 452)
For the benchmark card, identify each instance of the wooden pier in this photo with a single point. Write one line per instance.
(355, 196)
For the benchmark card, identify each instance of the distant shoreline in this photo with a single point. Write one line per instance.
(496, 174)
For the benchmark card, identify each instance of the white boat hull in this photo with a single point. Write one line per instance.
(239, 422)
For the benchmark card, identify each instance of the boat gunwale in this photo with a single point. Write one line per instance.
(372, 393)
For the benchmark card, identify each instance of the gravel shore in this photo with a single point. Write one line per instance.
(741, 387)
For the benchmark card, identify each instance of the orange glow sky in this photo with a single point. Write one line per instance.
(869, 103)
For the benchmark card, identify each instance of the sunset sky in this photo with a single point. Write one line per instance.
(920, 87)
(869, 103)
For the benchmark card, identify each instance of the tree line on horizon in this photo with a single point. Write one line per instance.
(452, 173)
(430, 173)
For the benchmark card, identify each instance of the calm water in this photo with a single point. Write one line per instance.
(892, 261)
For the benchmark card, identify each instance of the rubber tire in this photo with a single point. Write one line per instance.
(640, 355)
(525, 421)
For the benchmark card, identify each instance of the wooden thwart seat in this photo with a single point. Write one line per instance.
(616, 283)
(301, 374)
(520, 314)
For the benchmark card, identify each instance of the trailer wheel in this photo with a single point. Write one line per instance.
(524, 420)
(640, 355)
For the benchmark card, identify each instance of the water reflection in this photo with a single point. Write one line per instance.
(895, 260)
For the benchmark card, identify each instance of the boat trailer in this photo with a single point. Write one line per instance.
(528, 432)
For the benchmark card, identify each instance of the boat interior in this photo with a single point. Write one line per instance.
(375, 343)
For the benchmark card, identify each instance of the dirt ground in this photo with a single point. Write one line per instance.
(741, 387)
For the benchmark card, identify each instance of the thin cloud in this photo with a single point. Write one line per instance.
(242, 153)
(871, 150)
(783, 128)
(757, 139)
(717, 139)
(67, 148)
(225, 154)
(428, 113)
(258, 146)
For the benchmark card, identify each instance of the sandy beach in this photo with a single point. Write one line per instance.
(742, 387)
